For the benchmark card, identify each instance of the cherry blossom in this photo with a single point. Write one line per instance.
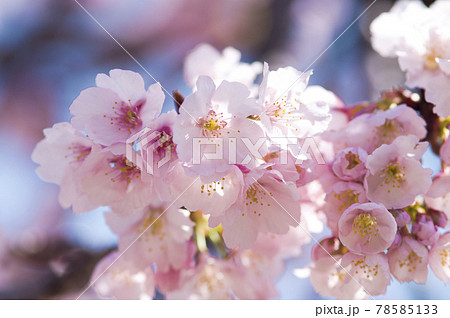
(210, 200)
(330, 279)
(111, 180)
(285, 114)
(350, 276)
(369, 131)
(371, 271)
(158, 234)
(61, 154)
(349, 164)
(396, 175)
(367, 228)
(266, 204)
(409, 261)
(218, 279)
(216, 119)
(439, 258)
(116, 277)
(117, 108)
(420, 41)
(212, 197)
(205, 60)
(339, 197)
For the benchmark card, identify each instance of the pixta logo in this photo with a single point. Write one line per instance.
(146, 150)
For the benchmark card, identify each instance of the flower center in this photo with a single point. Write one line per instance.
(164, 146)
(430, 62)
(126, 116)
(388, 131)
(347, 198)
(353, 160)
(410, 261)
(124, 170)
(436, 49)
(212, 124)
(256, 196)
(362, 268)
(365, 225)
(152, 226)
(392, 174)
(214, 187)
(284, 111)
(445, 257)
(79, 152)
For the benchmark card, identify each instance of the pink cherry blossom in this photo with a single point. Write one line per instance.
(339, 197)
(266, 204)
(420, 41)
(220, 66)
(218, 118)
(369, 131)
(439, 258)
(330, 279)
(61, 155)
(214, 278)
(371, 271)
(161, 233)
(401, 33)
(396, 175)
(117, 108)
(409, 261)
(211, 197)
(350, 276)
(112, 180)
(116, 277)
(285, 113)
(367, 228)
(298, 169)
(349, 164)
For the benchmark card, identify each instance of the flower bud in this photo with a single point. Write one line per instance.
(349, 164)
(425, 230)
(401, 217)
(439, 218)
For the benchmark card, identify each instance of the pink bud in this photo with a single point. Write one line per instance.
(401, 217)
(425, 230)
(439, 218)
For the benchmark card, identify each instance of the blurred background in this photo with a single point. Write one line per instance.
(50, 50)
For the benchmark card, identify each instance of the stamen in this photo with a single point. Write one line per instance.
(366, 226)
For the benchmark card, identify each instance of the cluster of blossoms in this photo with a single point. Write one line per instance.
(205, 199)
(208, 200)
(385, 211)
